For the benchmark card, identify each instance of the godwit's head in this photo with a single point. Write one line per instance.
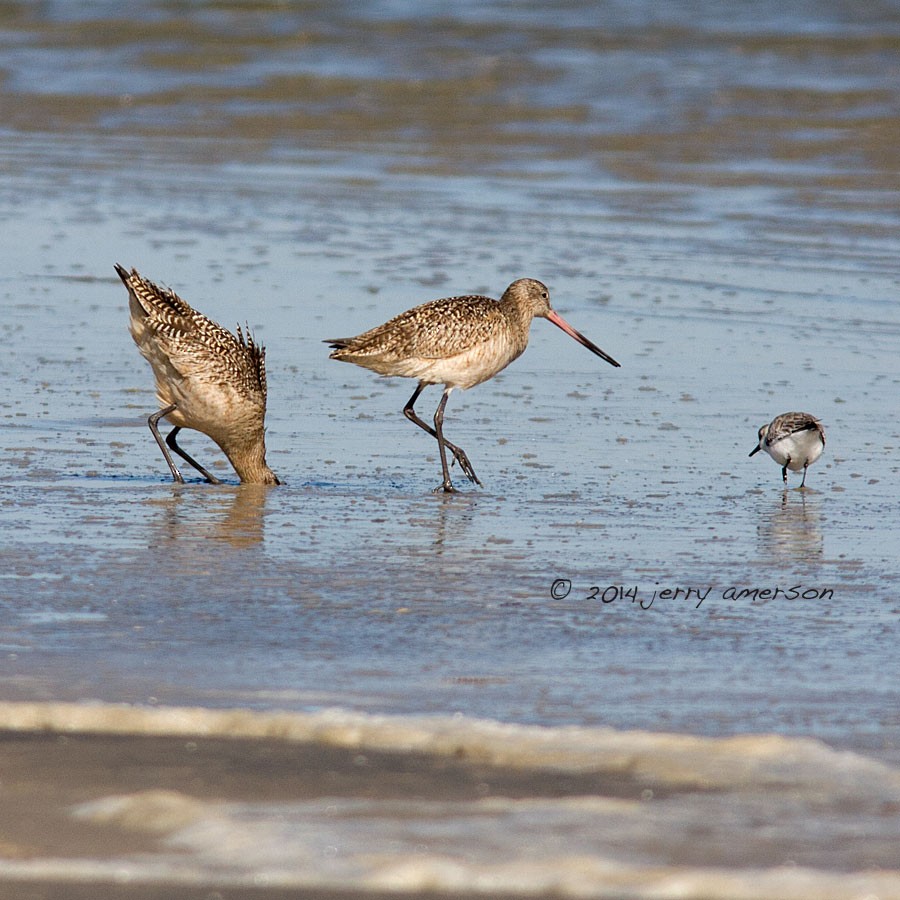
(530, 295)
(533, 296)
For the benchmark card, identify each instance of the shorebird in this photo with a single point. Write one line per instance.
(794, 440)
(458, 342)
(206, 378)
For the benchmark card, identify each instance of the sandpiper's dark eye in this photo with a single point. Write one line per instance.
(545, 295)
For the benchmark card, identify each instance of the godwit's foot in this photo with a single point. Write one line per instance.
(459, 455)
(467, 469)
(447, 488)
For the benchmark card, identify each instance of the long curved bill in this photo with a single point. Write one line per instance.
(560, 322)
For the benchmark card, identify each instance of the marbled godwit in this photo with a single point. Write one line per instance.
(794, 440)
(458, 342)
(206, 379)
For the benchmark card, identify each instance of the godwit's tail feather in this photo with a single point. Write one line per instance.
(157, 302)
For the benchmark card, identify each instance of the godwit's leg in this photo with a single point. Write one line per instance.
(439, 431)
(170, 440)
(464, 463)
(458, 453)
(153, 422)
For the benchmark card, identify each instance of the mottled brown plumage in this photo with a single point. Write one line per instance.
(795, 440)
(206, 378)
(458, 342)
(434, 333)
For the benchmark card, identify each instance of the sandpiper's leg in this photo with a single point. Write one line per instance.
(153, 422)
(805, 467)
(787, 462)
(458, 453)
(170, 440)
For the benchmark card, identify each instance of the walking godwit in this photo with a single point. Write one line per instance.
(458, 342)
(794, 440)
(206, 379)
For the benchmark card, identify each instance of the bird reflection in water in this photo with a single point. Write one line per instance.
(790, 531)
(234, 516)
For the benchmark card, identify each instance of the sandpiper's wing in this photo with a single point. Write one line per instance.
(791, 423)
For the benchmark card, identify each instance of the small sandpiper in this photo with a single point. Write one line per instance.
(795, 440)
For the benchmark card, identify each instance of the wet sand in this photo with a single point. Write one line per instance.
(67, 890)
(45, 776)
(146, 796)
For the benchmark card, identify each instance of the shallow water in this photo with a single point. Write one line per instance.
(711, 197)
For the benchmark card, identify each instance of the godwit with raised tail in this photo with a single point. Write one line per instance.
(795, 440)
(206, 378)
(458, 342)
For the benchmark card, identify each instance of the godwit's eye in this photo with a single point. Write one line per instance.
(545, 295)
